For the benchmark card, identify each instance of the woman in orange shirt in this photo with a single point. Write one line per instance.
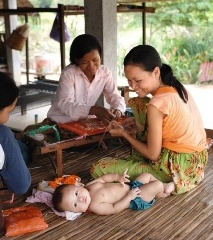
(175, 147)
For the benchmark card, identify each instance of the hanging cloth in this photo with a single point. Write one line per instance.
(55, 31)
(18, 37)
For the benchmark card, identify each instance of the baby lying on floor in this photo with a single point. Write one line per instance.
(45, 190)
(111, 194)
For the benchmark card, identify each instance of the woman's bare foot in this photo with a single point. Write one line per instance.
(168, 188)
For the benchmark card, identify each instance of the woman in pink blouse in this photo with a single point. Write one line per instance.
(81, 84)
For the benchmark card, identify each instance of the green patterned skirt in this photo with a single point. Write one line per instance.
(186, 170)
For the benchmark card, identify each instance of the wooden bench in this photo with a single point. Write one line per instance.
(36, 95)
(34, 100)
(58, 147)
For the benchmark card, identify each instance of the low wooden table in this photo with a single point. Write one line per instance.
(59, 146)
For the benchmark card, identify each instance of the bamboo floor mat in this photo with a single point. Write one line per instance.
(185, 217)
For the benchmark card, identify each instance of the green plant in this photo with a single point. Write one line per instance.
(185, 56)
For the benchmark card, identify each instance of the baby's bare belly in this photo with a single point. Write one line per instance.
(114, 192)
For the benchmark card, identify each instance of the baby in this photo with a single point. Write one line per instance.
(111, 193)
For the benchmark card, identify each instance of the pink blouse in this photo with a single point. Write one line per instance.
(76, 95)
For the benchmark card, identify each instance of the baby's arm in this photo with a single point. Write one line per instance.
(111, 177)
(103, 208)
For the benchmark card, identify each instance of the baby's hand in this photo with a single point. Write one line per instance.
(124, 177)
(133, 193)
(79, 184)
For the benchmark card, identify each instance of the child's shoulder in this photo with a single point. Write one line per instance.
(5, 130)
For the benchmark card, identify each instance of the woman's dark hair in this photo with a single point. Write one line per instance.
(147, 58)
(8, 91)
(82, 45)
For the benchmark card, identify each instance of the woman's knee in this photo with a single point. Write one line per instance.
(96, 170)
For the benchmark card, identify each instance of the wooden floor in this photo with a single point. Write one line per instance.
(188, 216)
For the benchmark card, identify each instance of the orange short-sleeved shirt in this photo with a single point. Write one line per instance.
(183, 129)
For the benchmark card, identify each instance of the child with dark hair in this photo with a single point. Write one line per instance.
(110, 194)
(175, 147)
(13, 169)
(81, 84)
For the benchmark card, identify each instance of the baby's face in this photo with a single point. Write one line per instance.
(75, 199)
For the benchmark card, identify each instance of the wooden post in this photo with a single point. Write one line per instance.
(144, 24)
(27, 52)
(59, 159)
(62, 34)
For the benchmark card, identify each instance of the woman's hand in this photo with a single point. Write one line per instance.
(117, 113)
(102, 113)
(129, 123)
(115, 130)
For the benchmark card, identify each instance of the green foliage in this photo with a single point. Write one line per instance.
(180, 30)
(180, 13)
(185, 55)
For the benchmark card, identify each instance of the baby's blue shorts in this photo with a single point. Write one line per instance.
(138, 203)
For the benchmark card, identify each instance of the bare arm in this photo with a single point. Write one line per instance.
(152, 149)
(111, 177)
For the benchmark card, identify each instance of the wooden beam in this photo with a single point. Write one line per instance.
(22, 11)
(139, 1)
(121, 8)
(73, 10)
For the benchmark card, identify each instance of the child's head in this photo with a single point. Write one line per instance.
(8, 96)
(71, 198)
